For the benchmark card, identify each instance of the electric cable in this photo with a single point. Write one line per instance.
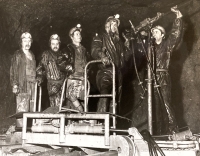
(153, 146)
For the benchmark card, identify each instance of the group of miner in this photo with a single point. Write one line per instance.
(56, 65)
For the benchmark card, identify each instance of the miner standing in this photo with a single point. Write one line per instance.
(23, 74)
(163, 48)
(49, 68)
(108, 48)
(73, 60)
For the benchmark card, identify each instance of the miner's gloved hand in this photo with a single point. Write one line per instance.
(127, 44)
(54, 89)
(127, 41)
(176, 11)
(69, 68)
(39, 81)
(105, 60)
(15, 89)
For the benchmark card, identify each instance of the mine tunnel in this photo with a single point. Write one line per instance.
(46, 17)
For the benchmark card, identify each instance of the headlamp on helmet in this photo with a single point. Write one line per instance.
(160, 28)
(77, 28)
(114, 18)
(55, 37)
(26, 35)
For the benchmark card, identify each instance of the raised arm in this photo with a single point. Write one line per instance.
(176, 32)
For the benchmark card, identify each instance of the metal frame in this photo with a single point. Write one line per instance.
(86, 97)
(35, 98)
(87, 90)
(62, 94)
(122, 145)
(63, 138)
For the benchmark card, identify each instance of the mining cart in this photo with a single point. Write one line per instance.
(89, 133)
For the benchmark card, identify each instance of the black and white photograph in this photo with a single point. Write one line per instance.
(100, 77)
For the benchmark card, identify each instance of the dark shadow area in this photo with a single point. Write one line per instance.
(177, 61)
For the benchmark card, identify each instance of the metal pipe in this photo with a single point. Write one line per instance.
(113, 94)
(117, 130)
(102, 95)
(35, 100)
(35, 97)
(24, 128)
(85, 83)
(149, 87)
(85, 87)
(107, 132)
(40, 99)
(62, 129)
(62, 94)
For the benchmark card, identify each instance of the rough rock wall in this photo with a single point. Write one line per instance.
(185, 73)
(45, 17)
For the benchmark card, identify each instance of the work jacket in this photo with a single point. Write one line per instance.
(22, 70)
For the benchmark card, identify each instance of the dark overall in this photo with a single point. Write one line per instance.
(55, 77)
(165, 117)
(115, 51)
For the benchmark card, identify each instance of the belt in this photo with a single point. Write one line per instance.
(56, 81)
(161, 70)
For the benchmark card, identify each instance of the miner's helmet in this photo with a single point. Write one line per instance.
(54, 37)
(72, 30)
(160, 28)
(26, 35)
(113, 18)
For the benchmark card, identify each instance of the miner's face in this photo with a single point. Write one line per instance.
(157, 34)
(76, 38)
(113, 26)
(55, 45)
(26, 44)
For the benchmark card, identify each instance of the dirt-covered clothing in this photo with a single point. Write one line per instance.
(49, 68)
(23, 74)
(162, 55)
(22, 70)
(77, 57)
(113, 48)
